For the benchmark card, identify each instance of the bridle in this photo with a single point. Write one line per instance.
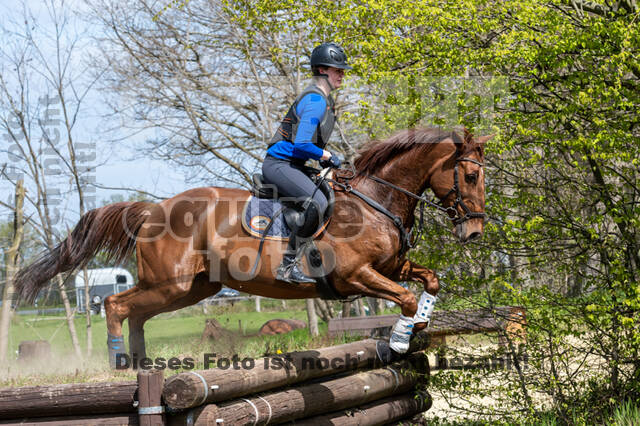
(451, 211)
(468, 214)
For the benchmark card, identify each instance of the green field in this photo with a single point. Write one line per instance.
(177, 334)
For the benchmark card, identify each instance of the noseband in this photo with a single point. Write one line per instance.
(468, 214)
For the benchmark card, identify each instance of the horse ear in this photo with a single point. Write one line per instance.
(480, 140)
(468, 136)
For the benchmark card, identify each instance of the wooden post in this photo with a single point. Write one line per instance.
(312, 317)
(11, 263)
(150, 409)
(258, 303)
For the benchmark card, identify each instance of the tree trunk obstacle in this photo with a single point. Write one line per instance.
(190, 389)
(390, 409)
(350, 384)
(67, 400)
(293, 386)
(313, 399)
(281, 326)
(510, 320)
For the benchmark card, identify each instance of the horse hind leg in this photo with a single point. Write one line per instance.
(139, 305)
(201, 288)
(116, 311)
(137, 347)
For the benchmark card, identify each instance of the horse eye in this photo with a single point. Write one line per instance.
(471, 178)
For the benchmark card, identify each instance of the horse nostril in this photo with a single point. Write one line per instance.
(473, 236)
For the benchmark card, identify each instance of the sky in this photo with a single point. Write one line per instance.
(118, 163)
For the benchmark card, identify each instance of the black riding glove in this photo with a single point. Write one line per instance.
(335, 161)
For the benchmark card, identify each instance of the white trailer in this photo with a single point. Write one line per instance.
(103, 282)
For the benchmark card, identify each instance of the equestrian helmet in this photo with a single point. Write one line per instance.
(329, 55)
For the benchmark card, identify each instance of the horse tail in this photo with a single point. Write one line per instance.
(112, 228)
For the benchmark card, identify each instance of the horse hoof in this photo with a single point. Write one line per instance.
(383, 351)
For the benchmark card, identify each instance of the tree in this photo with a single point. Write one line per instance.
(11, 263)
(212, 84)
(43, 103)
(562, 174)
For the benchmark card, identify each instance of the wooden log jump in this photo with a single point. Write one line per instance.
(68, 400)
(195, 388)
(306, 384)
(312, 399)
(97, 420)
(510, 319)
(382, 412)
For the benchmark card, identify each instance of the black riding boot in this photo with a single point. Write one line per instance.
(289, 270)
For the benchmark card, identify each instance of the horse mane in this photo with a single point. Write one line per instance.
(375, 154)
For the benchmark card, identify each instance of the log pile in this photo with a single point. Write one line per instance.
(352, 384)
(339, 380)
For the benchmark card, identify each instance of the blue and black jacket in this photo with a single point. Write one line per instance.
(306, 129)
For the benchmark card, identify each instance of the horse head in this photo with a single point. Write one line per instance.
(459, 184)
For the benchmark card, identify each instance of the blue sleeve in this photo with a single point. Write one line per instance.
(311, 110)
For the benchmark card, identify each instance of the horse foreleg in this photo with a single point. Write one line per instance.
(410, 271)
(371, 283)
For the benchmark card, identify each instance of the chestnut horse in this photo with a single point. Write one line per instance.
(190, 245)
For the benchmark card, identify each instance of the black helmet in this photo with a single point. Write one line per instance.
(329, 55)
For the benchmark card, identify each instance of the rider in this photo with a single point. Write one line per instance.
(302, 135)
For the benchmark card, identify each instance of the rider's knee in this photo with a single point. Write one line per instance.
(321, 202)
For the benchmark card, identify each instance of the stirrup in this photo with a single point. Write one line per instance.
(282, 274)
(289, 271)
(297, 276)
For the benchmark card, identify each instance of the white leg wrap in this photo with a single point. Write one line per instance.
(399, 341)
(425, 308)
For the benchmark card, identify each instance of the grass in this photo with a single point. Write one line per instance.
(627, 414)
(175, 334)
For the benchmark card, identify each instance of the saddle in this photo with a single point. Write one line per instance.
(273, 213)
(265, 206)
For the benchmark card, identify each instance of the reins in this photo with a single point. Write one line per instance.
(451, 211)
(456, 218)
